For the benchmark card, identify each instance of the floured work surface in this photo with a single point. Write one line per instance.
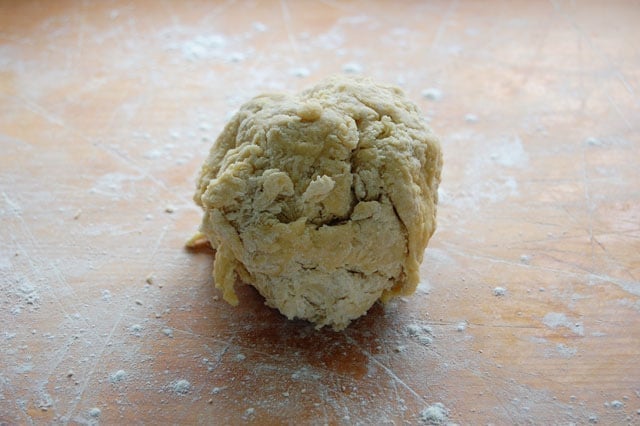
(528, 310)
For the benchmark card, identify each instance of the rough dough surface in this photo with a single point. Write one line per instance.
(324, 201)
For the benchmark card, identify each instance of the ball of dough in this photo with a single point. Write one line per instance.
(324, 201)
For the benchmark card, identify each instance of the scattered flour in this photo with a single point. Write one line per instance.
(616, 404)
(432, 94)
(236, 57)
(499, 291)
(422, 333)
(510, 152)
(352, 68)
(557, 319)
(471, 118)
(202, 47)
(136, 330)
(462, 326)
(28, 293)
(249, 412)
(563, 351)
(44, 401)
(259, 27)
(95, 412)
(525, 259)
(118, 376)
(424, 286)
(436, 414)
(5, 263)
(167, 332)
(300, 72)
(180, 387)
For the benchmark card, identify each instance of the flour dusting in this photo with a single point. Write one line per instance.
(436, 414)
(558, 319)
(118, 376)
(499, 291)
(180, 387)
(432, 94)
(423, 334)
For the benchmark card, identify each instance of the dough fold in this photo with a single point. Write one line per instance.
(324, 201)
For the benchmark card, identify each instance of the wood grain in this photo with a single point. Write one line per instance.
(107, 110)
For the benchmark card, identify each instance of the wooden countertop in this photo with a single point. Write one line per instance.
(107, 110)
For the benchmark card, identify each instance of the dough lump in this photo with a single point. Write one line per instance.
(324, 201)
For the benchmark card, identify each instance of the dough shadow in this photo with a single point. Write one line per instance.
(347, 352)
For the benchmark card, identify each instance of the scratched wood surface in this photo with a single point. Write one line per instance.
(529, 308)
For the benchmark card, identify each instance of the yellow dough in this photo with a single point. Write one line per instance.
(324, 201)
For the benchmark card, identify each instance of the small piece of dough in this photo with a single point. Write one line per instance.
(324, 201)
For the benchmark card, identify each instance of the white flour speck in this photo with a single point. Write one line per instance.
(558, 319)
(436, 414)
(565, 351)
(236, 57)
(95, 412)
(136, 329)
(616, 404)
(300, 72)
(471, 118)
(105, 295)
(203, 47)
(118, 376)
(555, 319)
(28, 293)
(422, 333)
(499, 291)
(432, 94)
(167, 332)
(45, 401)
(181, 387)
(5, 263)
(510, 153)
(352, 68)
(424, 287)
(259, 27)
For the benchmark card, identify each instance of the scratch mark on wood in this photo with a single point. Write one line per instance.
(387, 370)
(286, 17)
(90, 373)
(443, 23)
(156, 246)
(613, 69)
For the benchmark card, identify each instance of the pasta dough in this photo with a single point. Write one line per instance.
(324, 201)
